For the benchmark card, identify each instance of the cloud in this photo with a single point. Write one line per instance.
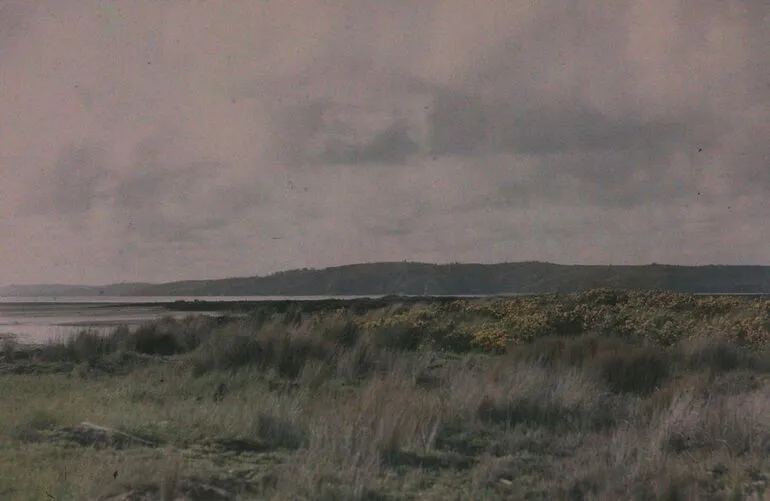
(159, 200)
(167, 140)
(70, 187)
(15, 16)
(329, 133)
(390, 146)
(464, 124)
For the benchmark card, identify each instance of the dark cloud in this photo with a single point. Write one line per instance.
(463, 124)
(458, 124)
(328, 133)
(159, 200)
(70, 187)
(391, 146)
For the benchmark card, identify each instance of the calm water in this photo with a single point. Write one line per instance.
(42, 319)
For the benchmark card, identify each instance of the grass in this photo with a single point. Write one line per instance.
(604, 395)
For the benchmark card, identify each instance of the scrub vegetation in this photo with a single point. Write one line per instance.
(597, 395)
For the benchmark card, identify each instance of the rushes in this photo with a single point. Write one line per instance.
(9, 345)
(170, 477)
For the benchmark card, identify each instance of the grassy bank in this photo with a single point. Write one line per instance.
(601, 395)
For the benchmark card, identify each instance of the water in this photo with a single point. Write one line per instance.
(165, 299)
(43, 319)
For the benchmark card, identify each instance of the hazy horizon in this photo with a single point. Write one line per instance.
(165, 141)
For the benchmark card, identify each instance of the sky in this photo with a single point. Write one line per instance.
(184, 139)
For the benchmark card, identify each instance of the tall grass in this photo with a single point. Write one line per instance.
(375, 405)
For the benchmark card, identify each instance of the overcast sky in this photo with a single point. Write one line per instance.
(154, 141)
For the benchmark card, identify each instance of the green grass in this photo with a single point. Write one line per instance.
(482, 399)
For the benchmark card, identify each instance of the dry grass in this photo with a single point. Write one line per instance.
(9, 345)
(323, 407)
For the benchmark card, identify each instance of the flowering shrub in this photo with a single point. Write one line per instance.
(664, 318)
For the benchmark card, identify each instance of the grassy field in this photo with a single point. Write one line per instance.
(600, 395)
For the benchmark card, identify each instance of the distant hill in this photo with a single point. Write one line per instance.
(456, 279)
(447, 279)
